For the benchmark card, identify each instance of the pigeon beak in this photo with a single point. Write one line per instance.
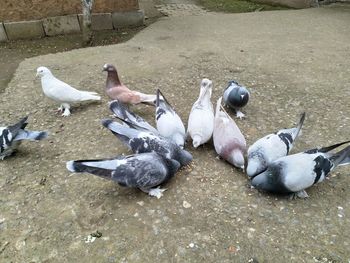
(37, 74)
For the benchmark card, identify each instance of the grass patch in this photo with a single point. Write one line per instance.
(237, 6)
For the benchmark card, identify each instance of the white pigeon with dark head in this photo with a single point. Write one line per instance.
(145, 171)
(143, 141)
(61, 92)
(130, 118)
(11, 137)
(229, 141)
(236, 97)
(201, 119)
(297, 172)
(271, 147)
(169, 124)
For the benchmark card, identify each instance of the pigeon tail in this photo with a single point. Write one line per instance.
(300, 124)
(87, 95)
(342, 157)
(218, 106)
(30, 135)
(131, 119)
(148, 99)
(326, 149)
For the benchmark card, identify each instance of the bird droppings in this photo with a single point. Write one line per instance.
(186, 204)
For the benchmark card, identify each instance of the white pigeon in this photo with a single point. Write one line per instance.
(271, 147)
(201, 119)
(169, 124)
(61, 92)
(229, 142)
(294, 173)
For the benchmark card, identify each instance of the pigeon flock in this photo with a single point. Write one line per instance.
(158, 152)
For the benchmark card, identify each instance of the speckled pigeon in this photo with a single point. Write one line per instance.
(145, 171)
(271, 147)
(295, 173)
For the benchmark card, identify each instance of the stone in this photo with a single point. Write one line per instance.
(3, 36)
(60, 25)
(100, 21)
(24, 29)
(127, 19)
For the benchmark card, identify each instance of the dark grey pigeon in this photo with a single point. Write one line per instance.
(145, 171)
(11, 136)
(236, 97)
(294, 173)
(144, 141)
(271, 147)
(133, 120)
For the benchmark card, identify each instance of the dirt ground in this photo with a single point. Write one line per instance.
(290, 60)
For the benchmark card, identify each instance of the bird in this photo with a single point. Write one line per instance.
(11, 137)
(294, 173)
(145, 141)
(229, 141)
(236, 97)
(201, 120)
(146, 171)
(116, 90)
(168, 122)
(62, 92)
(133, 120)
(271, 147)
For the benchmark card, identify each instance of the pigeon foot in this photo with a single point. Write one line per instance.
(157, 192)
(240, 115)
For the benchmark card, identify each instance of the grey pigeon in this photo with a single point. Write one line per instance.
(229, 141)
(271, 147)
(145, 171)
(11, 136)
(121, 111)
(295, 173)
(144, 141)
(168, 122)
(236, 97)
(201, 119)
(61, 92)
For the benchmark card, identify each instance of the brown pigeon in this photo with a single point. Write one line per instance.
(118, 91)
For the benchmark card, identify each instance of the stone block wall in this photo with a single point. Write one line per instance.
(38, 18)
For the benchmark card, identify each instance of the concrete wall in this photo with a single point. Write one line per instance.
(21, 10)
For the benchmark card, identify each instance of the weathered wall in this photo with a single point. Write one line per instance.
(37, 9)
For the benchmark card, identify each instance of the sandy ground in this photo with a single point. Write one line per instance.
(291, 61)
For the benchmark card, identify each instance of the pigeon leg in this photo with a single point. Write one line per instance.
(240, 114)
(66, 107)
(59, 110)
(301, 194)
(157, 192)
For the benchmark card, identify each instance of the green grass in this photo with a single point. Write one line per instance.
(237, 6)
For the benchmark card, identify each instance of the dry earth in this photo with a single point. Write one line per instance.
(291, 60)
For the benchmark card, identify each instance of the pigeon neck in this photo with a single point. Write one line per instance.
(113, 79)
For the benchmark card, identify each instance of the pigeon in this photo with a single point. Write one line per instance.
(118, 91)
(131, 119)
(236, 97)
(229, 142)
(11, 137)
(295, 173)
(271, 147)
(61, 92)
(144, 141)
(168, 122)
(145, 171)
(201, 119)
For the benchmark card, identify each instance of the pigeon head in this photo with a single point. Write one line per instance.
(172, 165)
(236, 158)
(42, 71)
(109, 68)
(256, 165)
(184, 157)
(207, 85)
